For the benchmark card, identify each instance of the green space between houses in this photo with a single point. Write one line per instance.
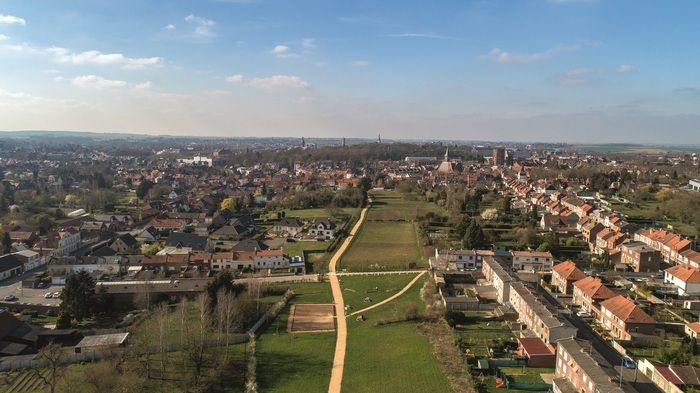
(482, 332)
(296, 362)
(384, 246)
(376, 287)
(394, 357)
(391, 205)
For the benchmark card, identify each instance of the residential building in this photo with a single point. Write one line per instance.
(498, 277)
(685, 278)
(622, 317)
(671, 378)
(10, 266)
(290, 226)
(124, 244)
(538, 319)
(534, 261)
(576, 371)
(640, 257)
(322, 228)
(30, 259)
(589, 292)
(564, 275)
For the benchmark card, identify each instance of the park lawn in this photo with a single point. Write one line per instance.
(377, 287)
(391, 205)
(296, 362)
(384, 246)
(480, 333)
(393, 358)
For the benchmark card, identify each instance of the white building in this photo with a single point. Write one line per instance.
(685, 278)
(534, 261)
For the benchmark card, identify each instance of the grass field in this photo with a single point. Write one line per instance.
(300, 362)
(384, 246)
(390, 205)
(393, 357)
(378, 288)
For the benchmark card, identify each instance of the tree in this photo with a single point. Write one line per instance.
(50, 369)
(6, 243)
(143, 188)
(222, 281)
(230, 204)
(474, 236)
(151, 249)
(78, 295)
(365, 184)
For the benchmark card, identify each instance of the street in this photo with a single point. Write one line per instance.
(13, 286)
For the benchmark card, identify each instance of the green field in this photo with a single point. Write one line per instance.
(300, 362)
(384, 246)
(393, 357)
(377, 288)
(390, 205)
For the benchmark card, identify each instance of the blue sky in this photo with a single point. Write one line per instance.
(530, 70)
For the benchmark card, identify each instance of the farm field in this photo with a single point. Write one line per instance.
(313, 213)
(296, 362)
(394, 357)
(378, 288)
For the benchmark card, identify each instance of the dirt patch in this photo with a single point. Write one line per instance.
(311, 318)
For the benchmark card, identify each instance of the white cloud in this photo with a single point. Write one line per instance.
(62, 55)
(96, 82)
(11, 20)
(169, 27)
(625, 69)
(283, 52)
(9, 94)
(236, 78)
(360, 63)
(279, 82)
(500, 56)
(420, 35)
(59, 79)
(3, 37)
(144, 85)
(203, 27)
(576, 77)
(308, 44)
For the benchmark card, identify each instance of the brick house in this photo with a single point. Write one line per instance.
(621, 317)
(564, 275)
(640, 257)
(589, 292)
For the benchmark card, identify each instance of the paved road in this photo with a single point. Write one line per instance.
(637, 380)
(341, 328)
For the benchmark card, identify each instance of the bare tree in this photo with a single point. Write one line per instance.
(195, 346)
(50, 370)
(229, 304)
(162, 315)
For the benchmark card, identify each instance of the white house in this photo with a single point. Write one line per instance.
(322, 228)
(30, 259)
(535, 261)
(686, 279)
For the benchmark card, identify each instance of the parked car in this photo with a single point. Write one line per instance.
(41, 285)
(584, 314)
(57, 295)
(628, 363)
(10, 298)
(4, 309)
(48, 295)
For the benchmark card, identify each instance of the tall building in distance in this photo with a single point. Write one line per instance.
(499, 156)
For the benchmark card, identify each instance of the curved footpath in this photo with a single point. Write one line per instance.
(387, 300)
(341, 324)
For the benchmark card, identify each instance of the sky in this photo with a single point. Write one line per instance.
(586, 71)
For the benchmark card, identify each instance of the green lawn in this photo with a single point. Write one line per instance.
(378, 288)
(300, 362)
(527, 374)
(391, 358)
(384, 246)
(317, 259)
(390, 205)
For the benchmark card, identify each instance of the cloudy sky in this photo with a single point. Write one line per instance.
(529, 70)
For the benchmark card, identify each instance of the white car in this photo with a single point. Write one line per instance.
(48, 295)
(584, 314)
(56, 295)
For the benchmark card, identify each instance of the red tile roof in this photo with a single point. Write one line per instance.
(625, 309)
(685, 274)
(569, 271)
(594, 288)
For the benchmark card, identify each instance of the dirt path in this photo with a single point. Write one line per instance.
(387, 300)
(342, 328)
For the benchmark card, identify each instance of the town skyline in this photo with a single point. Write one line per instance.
(589, 71)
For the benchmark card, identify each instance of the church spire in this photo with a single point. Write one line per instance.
(447, 154)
